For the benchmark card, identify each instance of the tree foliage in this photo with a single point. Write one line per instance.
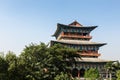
(91, 74)
(11, 60)
(112, 67)
(62, 76)
(118, 75)
(38, 62)
(43, 62)
(3, 68)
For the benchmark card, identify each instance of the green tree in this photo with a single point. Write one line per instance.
(13, 70)
(3, 69)
(91, 74)
(111, 68)
(38, 62)
(33, 60)
(62, 57)
(62, 76)
(45, 63)
(118, 75)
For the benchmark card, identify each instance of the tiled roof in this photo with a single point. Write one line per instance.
(59, 26)
(79, 42)
(73, 26)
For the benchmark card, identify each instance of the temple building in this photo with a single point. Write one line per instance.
(77, 36)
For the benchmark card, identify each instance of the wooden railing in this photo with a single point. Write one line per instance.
(75, 36)
(90, 54)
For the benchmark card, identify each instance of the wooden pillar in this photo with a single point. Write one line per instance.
(78, 73)
(106, 74)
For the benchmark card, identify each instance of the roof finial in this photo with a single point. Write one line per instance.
(75, 23)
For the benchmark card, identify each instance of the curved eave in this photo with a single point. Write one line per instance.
(58, 28)
(56, 31)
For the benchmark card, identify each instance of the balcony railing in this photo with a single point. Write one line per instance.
(74, 36)
(90, 54)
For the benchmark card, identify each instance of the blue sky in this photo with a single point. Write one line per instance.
(26, 21)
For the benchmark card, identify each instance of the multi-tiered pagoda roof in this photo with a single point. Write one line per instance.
(77, 36)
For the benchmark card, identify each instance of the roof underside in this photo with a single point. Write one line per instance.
(90, 60)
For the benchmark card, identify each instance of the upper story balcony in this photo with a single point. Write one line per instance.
(75, 36)
(89, 54)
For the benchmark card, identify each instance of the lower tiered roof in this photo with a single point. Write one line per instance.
(79, 42)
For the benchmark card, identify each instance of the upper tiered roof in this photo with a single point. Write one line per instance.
(74, 25)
